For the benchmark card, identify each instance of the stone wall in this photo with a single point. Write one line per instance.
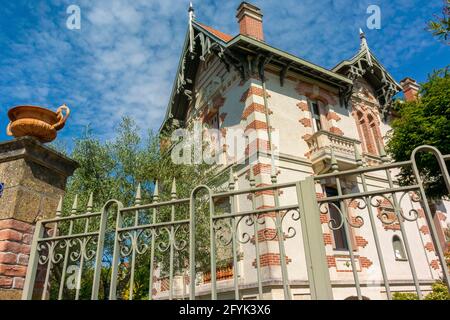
(34, 178)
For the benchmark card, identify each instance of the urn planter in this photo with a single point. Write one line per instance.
(37, 122)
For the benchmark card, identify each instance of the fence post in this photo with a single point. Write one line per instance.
(316, 260)
(27, 293)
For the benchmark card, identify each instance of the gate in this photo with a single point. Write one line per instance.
(219, 245)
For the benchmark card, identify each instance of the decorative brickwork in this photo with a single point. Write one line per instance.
(306, 122)
(425, 230)
(262, 168)
(317, 93)
(303, 106)
(327, 239)
(361, 242)
(324, 218)
(270, 259)
(15, 245)
(336, 131)
(333, 116)
(257, 145)
(435, 264)
(365, 262)
(429, 246)
(255, 125)
(267, 234)
(331, 260)
(254, 107)
(257, 91)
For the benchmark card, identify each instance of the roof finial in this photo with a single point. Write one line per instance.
(191, 11)
(365, 46)
(361, 33)
(191, 28)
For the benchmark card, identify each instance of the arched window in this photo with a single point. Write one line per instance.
(369, 132)
(399, 250)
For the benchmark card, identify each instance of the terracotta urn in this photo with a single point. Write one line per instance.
(37, 122)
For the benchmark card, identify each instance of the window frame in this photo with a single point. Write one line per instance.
(397, 239)
(316, 118)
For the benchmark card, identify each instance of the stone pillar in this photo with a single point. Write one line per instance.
(33, 178)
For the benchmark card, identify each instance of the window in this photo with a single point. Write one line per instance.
(369, 132)
(315, 112)
(340, 240)
(399, 251)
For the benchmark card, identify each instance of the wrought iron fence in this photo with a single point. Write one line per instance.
(214, 244)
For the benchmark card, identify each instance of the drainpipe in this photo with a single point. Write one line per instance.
(266, 107)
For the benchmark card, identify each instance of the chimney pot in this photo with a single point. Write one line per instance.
(410, 89)
(250, 21)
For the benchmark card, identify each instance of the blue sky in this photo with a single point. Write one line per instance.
(124, 58)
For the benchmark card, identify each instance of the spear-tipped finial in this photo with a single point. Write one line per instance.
(273, 170)
(90, 204)
(334, 163)
(59, 208)
(358, 158)
(252, 178)
(231, 183)
(361, 33)
(138, 197)
(365, 46)
(75, 205)
(191, 28)
(156, 192)
(383, 154)
(173, 192)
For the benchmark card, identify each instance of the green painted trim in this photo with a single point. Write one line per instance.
(289, 56)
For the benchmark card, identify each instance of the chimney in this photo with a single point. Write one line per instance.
(250, 21)
(410, 89)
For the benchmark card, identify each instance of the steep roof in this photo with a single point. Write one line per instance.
(201, 39)
(223, 36)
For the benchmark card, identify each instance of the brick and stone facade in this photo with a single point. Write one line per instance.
(34, 178)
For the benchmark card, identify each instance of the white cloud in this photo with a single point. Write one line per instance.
(123, 60)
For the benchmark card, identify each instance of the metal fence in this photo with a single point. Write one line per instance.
(192, 248)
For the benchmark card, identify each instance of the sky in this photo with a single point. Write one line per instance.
(123, 60)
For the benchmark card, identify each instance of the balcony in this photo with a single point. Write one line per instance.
(323, 142)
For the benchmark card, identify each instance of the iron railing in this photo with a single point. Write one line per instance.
(142, 251)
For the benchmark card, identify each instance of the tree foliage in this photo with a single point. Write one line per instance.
(439, 292)
(426, 121)
(112, 170)
(440, 27)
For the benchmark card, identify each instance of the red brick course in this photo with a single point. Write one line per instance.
(254, 107)
(429, 246)
(270, 259)
(15, 245)
(333, 116)
(327, 239)
(435, 264)
(252, 91)
(336, 131)
(303, 106)
(306, 122)
(255, 125)
(425, 230)
(361, 242)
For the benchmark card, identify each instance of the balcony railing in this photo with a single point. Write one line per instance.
(323, 142)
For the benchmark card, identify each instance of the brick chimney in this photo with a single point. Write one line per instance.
(250, 21)
(410, 89)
